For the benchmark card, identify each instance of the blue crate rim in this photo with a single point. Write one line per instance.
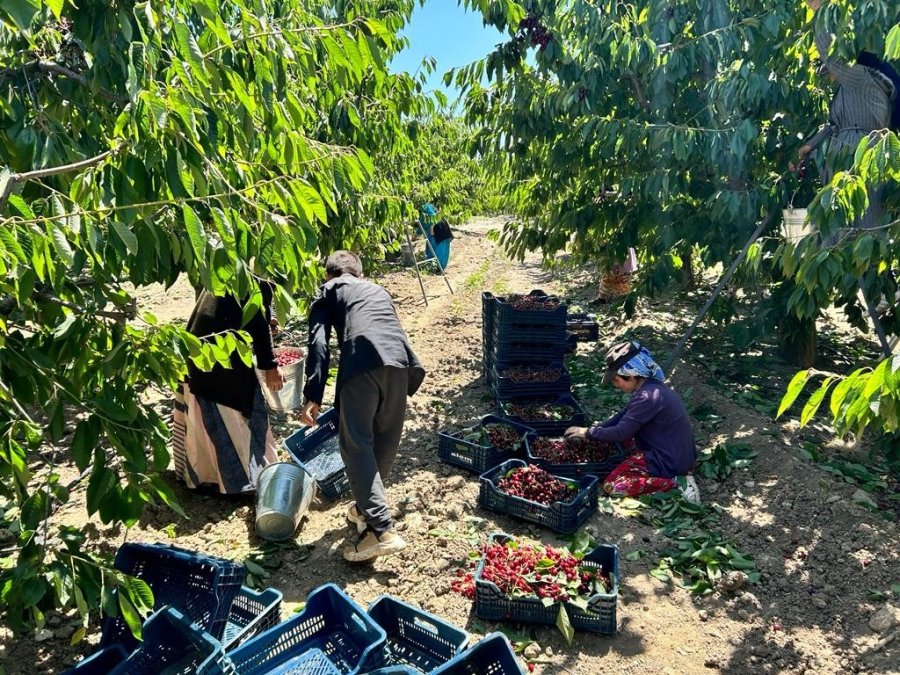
(416, 610)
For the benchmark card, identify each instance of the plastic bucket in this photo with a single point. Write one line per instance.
(283, 494)
(795, 224)
(290, 397)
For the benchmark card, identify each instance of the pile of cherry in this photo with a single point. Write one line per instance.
(534, 484)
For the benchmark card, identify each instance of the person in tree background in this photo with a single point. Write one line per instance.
(654, 425)
(438, 234)
(615, 282)
(862, 104)
(377, 371)
(221, 433)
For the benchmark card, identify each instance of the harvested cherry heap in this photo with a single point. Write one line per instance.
(500, 436)
(571, 450)
(540, 412)
(526, 571)
(539, 303)
(520, 374)
(534, 484)
(288, 356)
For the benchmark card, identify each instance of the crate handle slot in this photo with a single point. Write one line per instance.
(425, 625)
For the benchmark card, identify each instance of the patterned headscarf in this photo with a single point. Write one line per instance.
(642, 364)
(631, 360)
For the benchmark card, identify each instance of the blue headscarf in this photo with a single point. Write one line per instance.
(642, 365)
(429, 210)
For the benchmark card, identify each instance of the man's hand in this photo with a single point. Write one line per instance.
(274, 379)
(802, 154)
(576, 432)
(308, 413)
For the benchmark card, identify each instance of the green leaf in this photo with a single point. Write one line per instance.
(196, 232)
(56, 6)
(637, 554)
(126, 235)
(188, 48)
(87, 433)
(255, 569)
(892, 43)
(130, 614)
(21, 12)
(564, 624)
(812, 405)
(793, 391)
(252, 307)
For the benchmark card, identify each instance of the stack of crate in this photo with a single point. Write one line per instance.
(524, 332)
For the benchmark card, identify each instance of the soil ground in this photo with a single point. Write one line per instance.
(819, 551)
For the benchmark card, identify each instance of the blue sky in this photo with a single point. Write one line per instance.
(444, 30)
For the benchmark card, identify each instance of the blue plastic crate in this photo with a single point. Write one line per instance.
(505, 387)
(174, 646)
(479, 458)
(583, 326)
(491, 656)
(565, 517)
(546, 427)
(416, 638)
(600, 616)
(251, 613)
(599, 469)
(100, 662)
(504, 313)
(201, 587)
(316, 449)
(331, 623)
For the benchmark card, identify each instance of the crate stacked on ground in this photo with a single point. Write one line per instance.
(525, 342)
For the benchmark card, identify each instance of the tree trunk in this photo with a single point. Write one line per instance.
(688, 278)
(798, 341)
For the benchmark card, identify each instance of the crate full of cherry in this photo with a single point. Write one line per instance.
(534, 309)
(530, 379)
(516, 580)
(574, 457)
(528, 492)
(486, 444)
(547, 416)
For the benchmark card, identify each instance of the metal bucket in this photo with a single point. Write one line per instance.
(796, 225)
(283, 494)
(408, 253)
(290, 397)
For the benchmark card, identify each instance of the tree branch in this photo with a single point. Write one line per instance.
(16, 178)
(51, 67)
(58, 69)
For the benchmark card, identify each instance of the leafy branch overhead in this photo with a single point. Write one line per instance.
(143, 142)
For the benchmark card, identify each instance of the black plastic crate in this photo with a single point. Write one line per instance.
(487, 331)
(504, 312)
(316, 449)
(517, 350)
(565, 517)
(252, 612)
(505, 387)
(584, 326)
(546, 427)
(599, 469)
(479, 458)
(517, 332)
(600, 616)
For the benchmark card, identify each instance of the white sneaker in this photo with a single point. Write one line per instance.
(690, 490)
(370, 545)
(354, 517)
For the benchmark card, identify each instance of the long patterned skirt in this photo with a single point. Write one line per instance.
(216, 445)
(632, 478)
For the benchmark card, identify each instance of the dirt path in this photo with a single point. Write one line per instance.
(819, 552)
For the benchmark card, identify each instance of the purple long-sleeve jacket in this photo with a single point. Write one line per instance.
(657, 420)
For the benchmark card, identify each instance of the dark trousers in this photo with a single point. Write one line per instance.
(372, 409)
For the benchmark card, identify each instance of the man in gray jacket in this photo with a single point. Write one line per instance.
(377, 371)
